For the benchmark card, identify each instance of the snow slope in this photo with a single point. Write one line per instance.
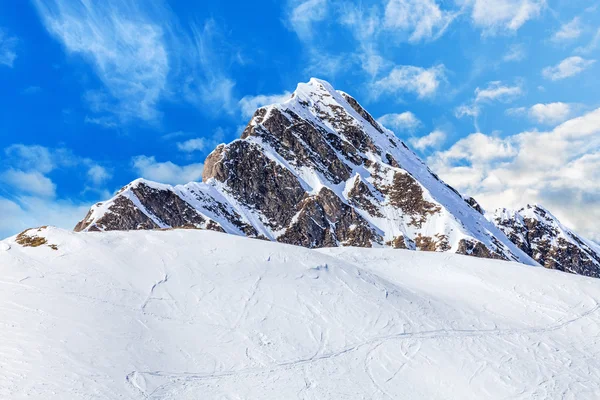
(190, 314)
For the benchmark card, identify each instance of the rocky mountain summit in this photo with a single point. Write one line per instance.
(541, 235)
(317, 171)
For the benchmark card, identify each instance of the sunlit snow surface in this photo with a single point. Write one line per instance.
(202, 315)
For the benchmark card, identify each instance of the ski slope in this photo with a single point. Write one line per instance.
(189, 314)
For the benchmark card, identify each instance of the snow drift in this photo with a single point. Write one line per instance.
(187, 314)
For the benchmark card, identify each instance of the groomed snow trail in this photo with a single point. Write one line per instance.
(198, 314)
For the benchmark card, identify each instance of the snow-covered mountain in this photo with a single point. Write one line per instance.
(191, 314)
(315, 171)
(541, 235)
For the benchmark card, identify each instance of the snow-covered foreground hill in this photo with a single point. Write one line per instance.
(201, 315)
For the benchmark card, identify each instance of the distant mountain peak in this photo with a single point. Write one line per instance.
(544, 238)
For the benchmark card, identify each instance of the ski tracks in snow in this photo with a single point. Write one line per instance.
(151, 292)
(370, 345)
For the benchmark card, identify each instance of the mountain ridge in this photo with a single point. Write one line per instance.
(544, 238)
(317, 171)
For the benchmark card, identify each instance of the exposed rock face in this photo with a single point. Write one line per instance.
(539, 234)
(325, 221)
(473, 203)
(316, 171)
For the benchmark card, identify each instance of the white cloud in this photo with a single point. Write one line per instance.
(28, 196)
(557, 168)
(433, 140)
(517, 111)
(467, 111)
(372, 62)
(205, 83)
(544, 113)
(249, 104)
(27, 212)
(407, 78)
(173, 135)
(365, 23)
(515, 53)
(105, 122)
(304, 13)
(551, 113)
(568, 67)
(569, 31)
(98, 174)
(496, 91)
(38, 158)
(591, 46)
(191, 145)
(142, 56)
(421, 19)
(33, 162)
(30, 182)
(503, 15)
(125, 46)
(166, 172)
(8, 53)
(405, 121)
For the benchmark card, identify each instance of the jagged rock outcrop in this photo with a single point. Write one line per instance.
(315, 171)
(541, 235)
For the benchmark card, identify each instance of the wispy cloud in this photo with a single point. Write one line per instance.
(515, 53)
(25, 212)
(125, 46)
(32, 162)
(192, 145)
(28, 195)
(205, 83)
(304, 13)
(98, 174)
(8, 45)
(138, 57)
(591, 46)
(166, 172)
(421, 19)
(503, 16)
(406, 121)
(424, 82)
(105, 122)
(496, 91)
(548, 114)
(568, 67)
(432, 140)
(569, 31)
(29, 182)
(249, 104)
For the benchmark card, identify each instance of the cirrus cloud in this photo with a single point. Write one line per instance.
(567, 68)
(8, 45)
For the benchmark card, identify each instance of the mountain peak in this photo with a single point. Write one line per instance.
(316, 170)
(544, 238)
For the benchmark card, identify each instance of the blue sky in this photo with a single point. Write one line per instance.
(500, 97)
